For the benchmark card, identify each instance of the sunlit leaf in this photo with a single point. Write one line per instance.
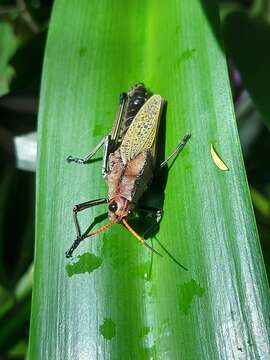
(131, 304)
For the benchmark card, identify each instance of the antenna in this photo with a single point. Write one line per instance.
(137, 236)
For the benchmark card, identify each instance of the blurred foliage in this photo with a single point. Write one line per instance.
(23, 30)
(247, 44)
(246, 34)
(8, 46)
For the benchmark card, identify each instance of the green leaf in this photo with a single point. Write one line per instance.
(15, 321)
(8, 46)
(116, 300)
(19, 350)
(15, 313)
(261, 203)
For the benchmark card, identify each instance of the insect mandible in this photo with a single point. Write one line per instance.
(129, 160)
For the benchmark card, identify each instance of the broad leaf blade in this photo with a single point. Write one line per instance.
(116, 300)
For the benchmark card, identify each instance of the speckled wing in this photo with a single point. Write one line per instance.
(142, 132)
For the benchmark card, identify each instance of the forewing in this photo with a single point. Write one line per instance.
(142, 132)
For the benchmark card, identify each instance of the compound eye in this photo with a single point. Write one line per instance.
(113, 206)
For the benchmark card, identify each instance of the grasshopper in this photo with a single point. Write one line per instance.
(129, 161)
